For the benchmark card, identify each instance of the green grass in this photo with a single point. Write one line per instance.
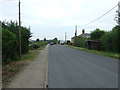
(30, 55)
(41, 48)
(108, 54)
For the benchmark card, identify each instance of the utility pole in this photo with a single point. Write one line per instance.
(75, 38)
(65, 36)
(19, 30)
(76, 31)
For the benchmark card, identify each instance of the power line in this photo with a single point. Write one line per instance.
(101, 16)
(7, 0)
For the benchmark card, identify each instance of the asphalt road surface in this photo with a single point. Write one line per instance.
(71, 68)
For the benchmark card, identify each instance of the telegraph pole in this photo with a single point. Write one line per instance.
(65, 36)
(19, 30)
(75, 38)
(76, 31)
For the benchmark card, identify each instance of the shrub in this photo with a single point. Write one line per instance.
(9, 43)
(80, 41)
(110, 41)
(97, 34)
(25, 35)
(34, 46)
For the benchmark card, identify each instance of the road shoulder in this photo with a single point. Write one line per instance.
(34, 75)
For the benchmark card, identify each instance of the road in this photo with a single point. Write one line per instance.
(71, 68)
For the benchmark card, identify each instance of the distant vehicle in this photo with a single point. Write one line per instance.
(51, 43)
(62, 43)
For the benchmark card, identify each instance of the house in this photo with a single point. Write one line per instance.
(86, 35)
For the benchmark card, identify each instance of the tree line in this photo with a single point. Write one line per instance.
(109, 40)
(10, 41)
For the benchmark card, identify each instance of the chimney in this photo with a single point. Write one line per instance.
(83, 31)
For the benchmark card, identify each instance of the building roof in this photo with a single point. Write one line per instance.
(85, 35)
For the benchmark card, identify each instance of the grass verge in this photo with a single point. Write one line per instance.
(30, 55)
(41, 48)
(108, 54)
(10, 71)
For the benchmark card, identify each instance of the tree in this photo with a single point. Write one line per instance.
(10, 40)
(110, 40)
(97, 34)
(44, 39)
(58, 41)
(25, 35)
(37, 40)
(117, 18)
(55, 40)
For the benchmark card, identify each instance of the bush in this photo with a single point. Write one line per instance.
(9, 43)
(25, 35)
(110, 41)
(43, 43)
(97, 34)
(80, 41)
(34, 46)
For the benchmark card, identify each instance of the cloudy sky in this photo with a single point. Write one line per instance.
(52, 18)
